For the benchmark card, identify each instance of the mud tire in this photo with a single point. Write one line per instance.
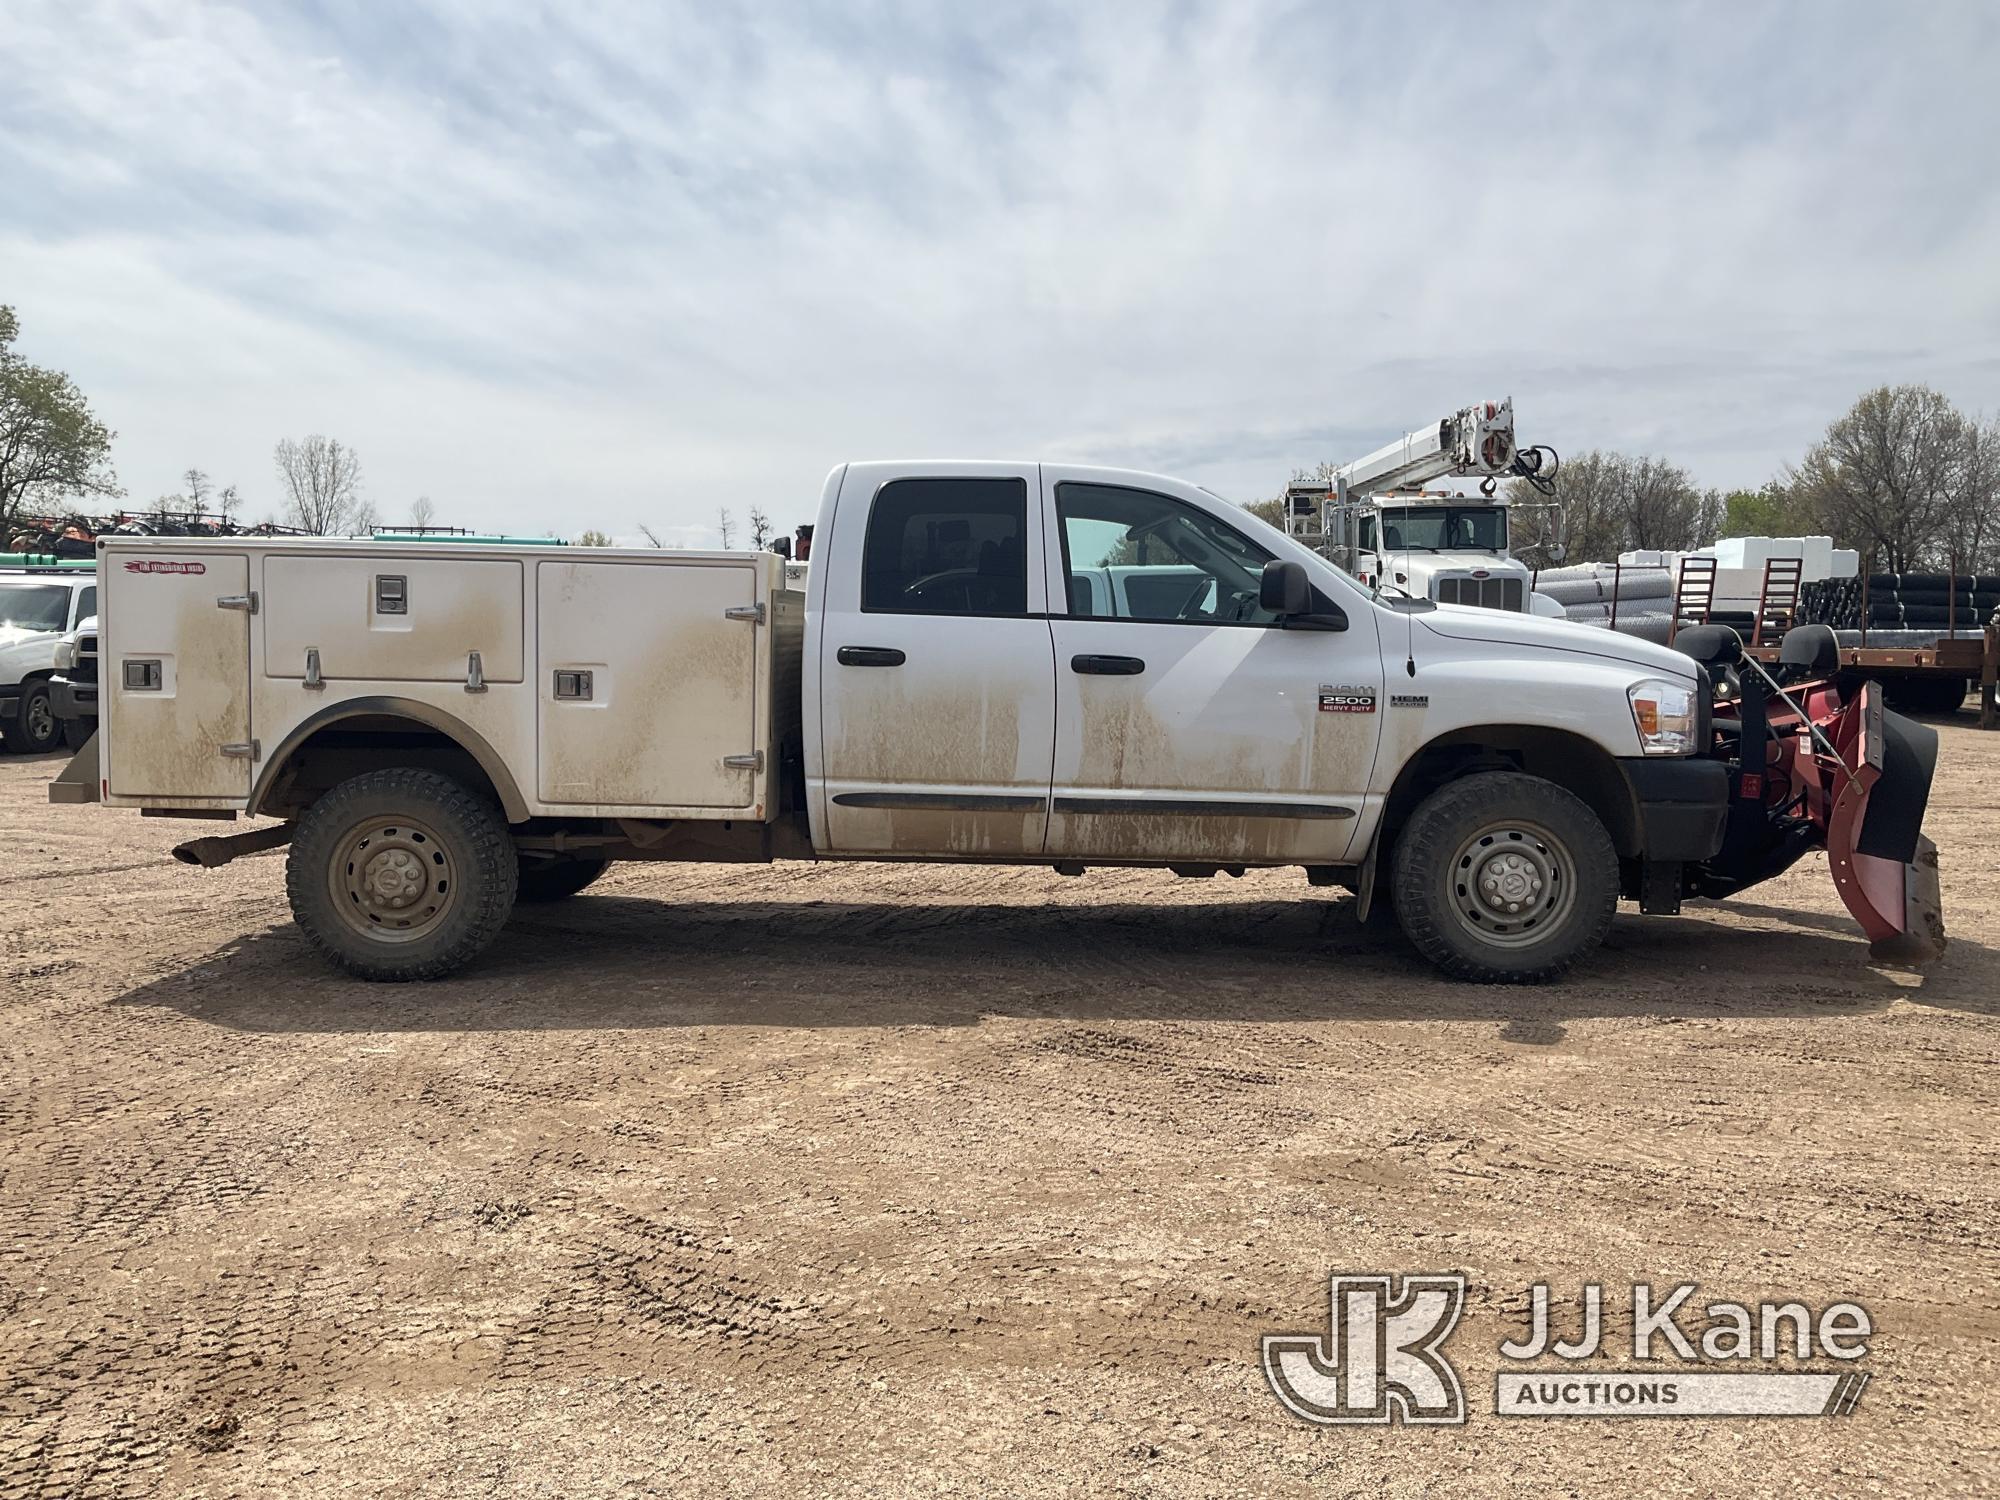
(1528, 836)
(429, 824)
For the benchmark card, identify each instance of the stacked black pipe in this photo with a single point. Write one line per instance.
(1903, 601)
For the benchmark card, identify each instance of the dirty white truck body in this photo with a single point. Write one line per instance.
(954, 683)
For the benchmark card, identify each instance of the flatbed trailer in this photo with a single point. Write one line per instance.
(1919, 676)
(1974, 661)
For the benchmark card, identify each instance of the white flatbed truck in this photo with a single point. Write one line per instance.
(446, 729)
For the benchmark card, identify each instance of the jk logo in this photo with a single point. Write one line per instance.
(1380, 1357)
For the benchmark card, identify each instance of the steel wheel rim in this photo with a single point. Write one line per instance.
(41, 717)
(392, 879)
(1511, 884)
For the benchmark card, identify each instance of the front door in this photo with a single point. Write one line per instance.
(1191, 725)
(936, 678)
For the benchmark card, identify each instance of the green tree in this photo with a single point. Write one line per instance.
(52, 449)
(593, 538)
(1771, 511)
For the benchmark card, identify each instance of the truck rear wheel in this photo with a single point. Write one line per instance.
(1504, 878)
(554, 879)
(401, 874)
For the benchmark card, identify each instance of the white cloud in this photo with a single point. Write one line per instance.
(632, 264)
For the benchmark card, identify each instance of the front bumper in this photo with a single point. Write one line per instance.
(1683, 805)
(73, 700)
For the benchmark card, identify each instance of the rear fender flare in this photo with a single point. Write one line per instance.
(466, 737)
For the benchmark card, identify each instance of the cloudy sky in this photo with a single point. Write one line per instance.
(560, 266)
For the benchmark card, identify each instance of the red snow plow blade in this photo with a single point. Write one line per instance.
(1884, 868)
(1812, 767)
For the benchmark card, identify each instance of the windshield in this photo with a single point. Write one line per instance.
(34, 606)
(1439, 528)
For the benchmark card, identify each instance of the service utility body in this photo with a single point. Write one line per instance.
(1008, 662)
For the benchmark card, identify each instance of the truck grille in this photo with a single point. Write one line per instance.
(1486, 593)
(85, 669)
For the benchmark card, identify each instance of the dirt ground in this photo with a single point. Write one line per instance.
(886, 1180)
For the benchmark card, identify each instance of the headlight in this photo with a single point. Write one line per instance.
(66, 654)
(1663, 713)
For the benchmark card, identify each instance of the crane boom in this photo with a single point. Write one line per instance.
(1475, 442)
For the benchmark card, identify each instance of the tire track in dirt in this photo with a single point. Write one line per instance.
(912, 1177)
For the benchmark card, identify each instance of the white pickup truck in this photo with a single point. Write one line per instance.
(38, 607)
(447, 729)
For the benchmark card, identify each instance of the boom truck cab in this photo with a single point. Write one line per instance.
(442, 730)
(1374, 518)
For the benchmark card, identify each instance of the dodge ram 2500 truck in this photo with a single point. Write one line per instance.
(1014, 663)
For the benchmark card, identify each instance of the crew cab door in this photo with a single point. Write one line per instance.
(936, 675)
(1190, 724)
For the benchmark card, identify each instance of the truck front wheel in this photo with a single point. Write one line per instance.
(35, 726)
(401, 874)
(1504, 878)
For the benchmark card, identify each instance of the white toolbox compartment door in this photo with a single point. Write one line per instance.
(449, 608)
(175, 667)
(671, 685)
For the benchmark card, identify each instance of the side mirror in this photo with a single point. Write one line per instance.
(1558, 552)
(1284, 589)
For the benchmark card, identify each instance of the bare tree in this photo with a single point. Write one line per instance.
(1973, 530)
(322, 483)
(1613, 502)
(1907, 478)
(1882, 477)
(653, 539)
(227, 500)
(725, 525)
(421, 511)
(198, 487)
(760, 529)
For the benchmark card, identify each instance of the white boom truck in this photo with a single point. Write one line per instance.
(446, 729)
(1375, 520)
